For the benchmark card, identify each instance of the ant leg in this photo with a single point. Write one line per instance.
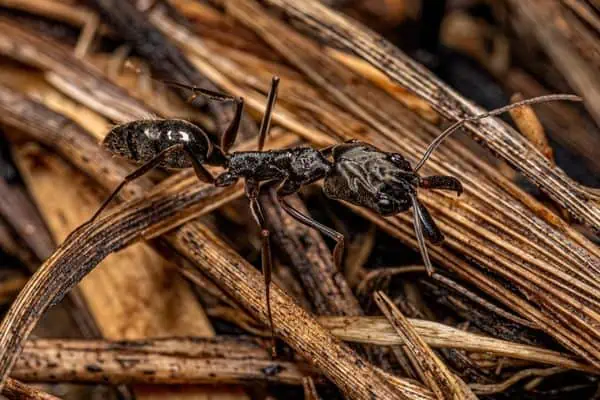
(290, 187)
(228, 137)
(201, 172)
(86, 37)
(441, 182)
(230, 134)
(425, 227)
(327, 150)
(265, 125)
(198, 91)
(117, 61)
(148, 166)
(400, 161)
(252, 190)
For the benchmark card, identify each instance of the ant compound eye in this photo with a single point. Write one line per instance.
(385, 205)
(400, 162)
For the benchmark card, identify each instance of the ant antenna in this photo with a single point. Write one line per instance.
(196, 91)
(534, 100)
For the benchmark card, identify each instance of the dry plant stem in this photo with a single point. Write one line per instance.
(193, 360)
(157, 361)
(17, 209)
(444, 384)
(310, 391)
(377, 330)
(15, 390)
(489, 389)
(497, 136)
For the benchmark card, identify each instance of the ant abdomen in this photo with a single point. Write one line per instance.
(141, 141)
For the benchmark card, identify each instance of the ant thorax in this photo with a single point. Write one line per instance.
(303, 165)
(368, 177)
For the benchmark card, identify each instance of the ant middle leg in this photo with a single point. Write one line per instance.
(265, 125)
(252, 189)
(441, 182)
(289, 187)
(229, 136)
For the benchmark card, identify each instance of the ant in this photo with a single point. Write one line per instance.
(353, 171)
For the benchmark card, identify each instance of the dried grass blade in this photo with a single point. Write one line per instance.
(444, 384)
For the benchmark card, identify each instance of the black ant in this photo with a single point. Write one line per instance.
(359, 173)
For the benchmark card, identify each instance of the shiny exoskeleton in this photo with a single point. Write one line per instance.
(353, 171)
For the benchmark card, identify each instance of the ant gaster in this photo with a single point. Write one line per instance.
(358, 172)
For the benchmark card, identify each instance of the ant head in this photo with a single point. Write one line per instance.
(365, 176)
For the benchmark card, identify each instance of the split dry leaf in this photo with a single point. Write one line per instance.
(434, 373)
(310, 391)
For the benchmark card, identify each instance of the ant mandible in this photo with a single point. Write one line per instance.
(359, 173)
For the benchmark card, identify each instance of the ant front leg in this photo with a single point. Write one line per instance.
(425, 227)
(252, 190)
(441, 182)
(289, 187)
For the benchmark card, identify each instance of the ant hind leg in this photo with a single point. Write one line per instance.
(252, 190)
(145, 168)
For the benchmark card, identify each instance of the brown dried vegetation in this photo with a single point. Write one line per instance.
(514, 304)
